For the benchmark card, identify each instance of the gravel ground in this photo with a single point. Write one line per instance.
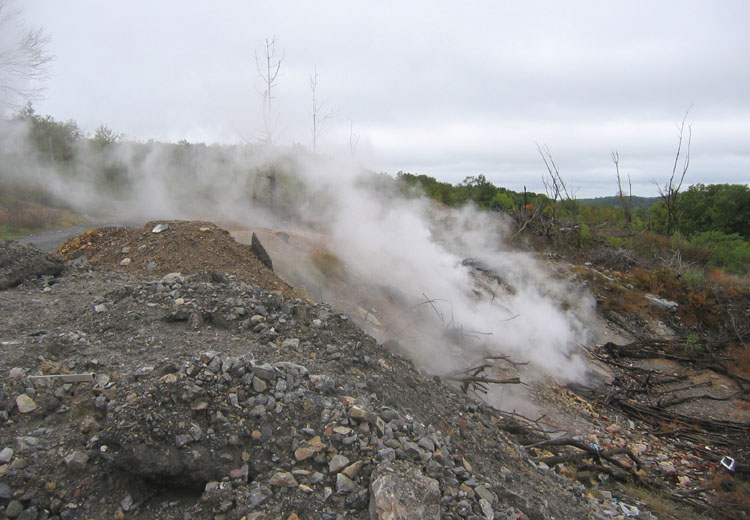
(218, 393)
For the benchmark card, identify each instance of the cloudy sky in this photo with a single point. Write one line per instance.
(444, 88)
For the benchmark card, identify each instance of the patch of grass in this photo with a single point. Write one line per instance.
(731, 252)
(693, 344)
(20, 218)
(658, 501)
(615, 242)
(8, 233)
(732, 495)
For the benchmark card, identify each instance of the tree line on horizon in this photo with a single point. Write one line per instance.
(714, 207)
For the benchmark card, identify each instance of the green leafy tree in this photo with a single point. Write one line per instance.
(54, 141)
(479, 190)
(715, 207)
(104, 137)
(502, 201)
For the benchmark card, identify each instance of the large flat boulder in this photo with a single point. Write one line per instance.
(400, 491)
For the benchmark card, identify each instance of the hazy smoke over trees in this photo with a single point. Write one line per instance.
(384, 236)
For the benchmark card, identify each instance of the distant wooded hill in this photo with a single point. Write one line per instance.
(637, 202)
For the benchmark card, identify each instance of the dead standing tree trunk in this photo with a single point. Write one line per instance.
(319, 117)
(625, 201)
(554, 184)
(671, 189)
(268, 67)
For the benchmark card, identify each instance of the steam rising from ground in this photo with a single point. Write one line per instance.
(456, 311)
(447, 312)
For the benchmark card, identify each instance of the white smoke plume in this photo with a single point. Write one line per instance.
(457, 292)
(469, 294)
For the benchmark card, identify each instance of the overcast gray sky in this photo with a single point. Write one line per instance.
(444, 88)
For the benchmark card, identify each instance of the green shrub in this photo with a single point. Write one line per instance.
(585, 235)
(693, 279)
(729, 252)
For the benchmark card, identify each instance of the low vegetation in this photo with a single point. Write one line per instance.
(24, 211)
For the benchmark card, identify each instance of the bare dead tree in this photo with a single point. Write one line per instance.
(554, 185)
(625, 201)
(24, 61)
(668, 193)
(319, 115)
(268, 66)
(353, 140)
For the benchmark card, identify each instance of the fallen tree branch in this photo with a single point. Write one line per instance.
(675, 402)
(595, 452)
(617, 475)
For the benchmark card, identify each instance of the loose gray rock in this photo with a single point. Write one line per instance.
(338, 462)
(259, 385)
(126, 503)
(31, 513)
(16, 372)
(322, 383)
(292, 343)
(400, 491)
(427, 444)
(283, 479)
(182, 440)
(195, 432)
(264, 371)
(663, 303)
(6, 455)
(344, 485)
(159, 228)
(76, 460)
(13, 509)
(487, 510)
(25, 404)
(486, 494)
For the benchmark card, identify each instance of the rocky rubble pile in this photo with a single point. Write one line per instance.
(276, 439)
(19, 262)
(207, 397)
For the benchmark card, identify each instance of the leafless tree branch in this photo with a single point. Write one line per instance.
(625, 201)
(24, 61)
(268, 67)
(671, 188)
(319, 116)
(353, 140)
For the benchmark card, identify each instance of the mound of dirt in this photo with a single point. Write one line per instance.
(182, 246)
